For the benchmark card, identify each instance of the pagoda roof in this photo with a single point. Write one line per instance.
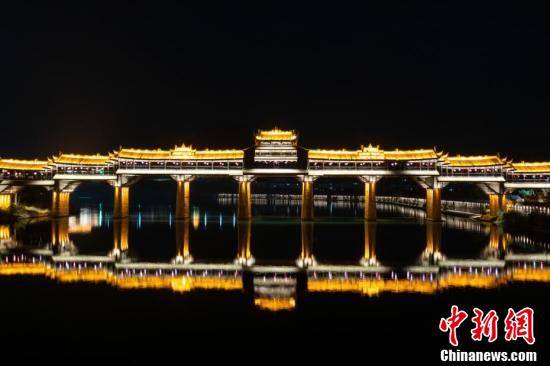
(187, 152)
(276, 134)
(531, 167)
(333, 154)
(219, 154)
(16, 164)
(416, 154)
(374, 153)
(471, 161)
(77, 159)
(143, 154)
(182, 152)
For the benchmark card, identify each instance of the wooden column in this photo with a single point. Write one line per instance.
(497, 203)
(503, 203)
(244, 204)
(182, 200)
(307, 199)
(433, 204)
(121, 202)
(60, 203)
(370, 200)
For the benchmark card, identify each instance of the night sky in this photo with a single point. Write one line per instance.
(467, 78)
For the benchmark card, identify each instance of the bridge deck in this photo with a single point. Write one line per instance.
(179, 266)
(83, 259)
(474, 263)
(274, 269)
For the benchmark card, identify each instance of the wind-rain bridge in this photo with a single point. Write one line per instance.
(275, 154)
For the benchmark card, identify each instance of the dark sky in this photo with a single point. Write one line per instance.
(467, 78)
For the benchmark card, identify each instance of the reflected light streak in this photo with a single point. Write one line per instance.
(5, 233)
(275, 303)
(284, 291)
(196, 219)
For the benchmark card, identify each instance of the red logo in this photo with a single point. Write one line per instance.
(451, 323)
(485, 326)
(517, 324)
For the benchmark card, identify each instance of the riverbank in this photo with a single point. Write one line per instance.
(22, 212)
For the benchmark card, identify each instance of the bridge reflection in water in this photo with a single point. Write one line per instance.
(276, 287)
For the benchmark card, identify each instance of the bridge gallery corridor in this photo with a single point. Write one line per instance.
(252, 182)
(275, 153)
(275, 285)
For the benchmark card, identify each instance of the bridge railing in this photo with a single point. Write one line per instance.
(528, 178)
(468, 172)
(446, 205)
(183, 165)
(377, 165)
(29, 175)
(86, 170)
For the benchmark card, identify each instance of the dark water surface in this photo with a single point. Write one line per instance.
(149, 287)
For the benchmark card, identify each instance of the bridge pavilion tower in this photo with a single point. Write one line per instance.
(275, 153)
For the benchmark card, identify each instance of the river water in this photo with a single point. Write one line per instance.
(152, 287)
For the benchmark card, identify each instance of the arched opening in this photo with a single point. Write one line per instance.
(469, 192)
(88, 194)
(35, 196)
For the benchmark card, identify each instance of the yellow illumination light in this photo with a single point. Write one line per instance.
(531, 274)
(533, 167)
(482, 160)
(15, 164)
(275, 303)
(76, 159)
(5, 232)
(22, 269)
(143, 154)
(80, 275)
(5, 201)
(276, 134)
(370, 287)
(374, 153)
(470, 280)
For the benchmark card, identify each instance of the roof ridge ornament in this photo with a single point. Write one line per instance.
(276, 134)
